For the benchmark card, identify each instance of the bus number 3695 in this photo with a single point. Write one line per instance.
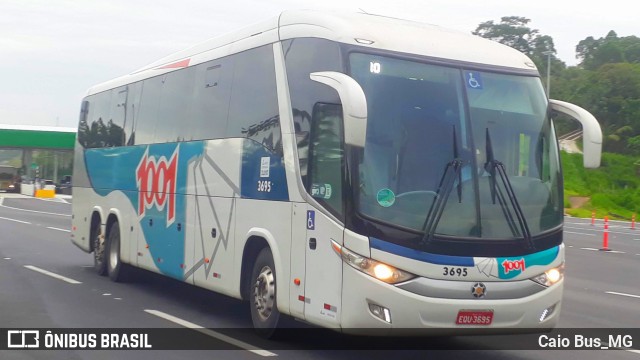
(264, 186)
(454, 271)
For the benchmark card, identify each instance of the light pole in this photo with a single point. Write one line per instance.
(548, 53)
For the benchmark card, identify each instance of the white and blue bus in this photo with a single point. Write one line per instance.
(353, 171)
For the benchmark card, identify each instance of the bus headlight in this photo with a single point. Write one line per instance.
(378, 270)
(550, 276)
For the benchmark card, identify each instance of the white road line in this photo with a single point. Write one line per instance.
(211, 333)
(53, 228)
(590, 249)
(618, 348)
(33, 211)
(616, 252)
(18, 221)
(571, 232)
(623, 294)
(53, 275)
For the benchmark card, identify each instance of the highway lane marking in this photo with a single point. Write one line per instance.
(571, 232)
(33, 211)
(18, 221)
(53, 275)
(618, 348)
(623, 294)
(54, 228)
(211, 333)
(608, 251)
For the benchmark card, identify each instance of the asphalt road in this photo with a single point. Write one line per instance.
(601, 290)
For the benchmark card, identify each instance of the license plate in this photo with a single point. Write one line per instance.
(474, 317)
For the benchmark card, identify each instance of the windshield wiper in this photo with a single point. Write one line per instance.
(442, 194)
(493, 166)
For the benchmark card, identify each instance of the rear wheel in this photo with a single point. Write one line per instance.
(99, 253)
(264, 306)
(118, 271)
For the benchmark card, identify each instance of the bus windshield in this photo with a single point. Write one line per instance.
(456, 152)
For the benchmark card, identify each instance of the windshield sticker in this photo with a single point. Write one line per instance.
(386, 197)
(322, 191)
(473, 80)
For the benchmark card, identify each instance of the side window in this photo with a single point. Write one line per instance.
(302, 57)
(172, 123)
(211, 100)
(326, 156)
(83, 125)
(131, 111)
(115, 125)
(94, 117)
(146, 116)
(253, 110)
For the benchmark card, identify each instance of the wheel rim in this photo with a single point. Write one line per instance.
(264, 292)
(114, 250)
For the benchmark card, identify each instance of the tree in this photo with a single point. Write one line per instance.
(511, 31)
(594, 53)
(514, 31)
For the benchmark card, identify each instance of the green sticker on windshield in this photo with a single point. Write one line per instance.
(386, 197)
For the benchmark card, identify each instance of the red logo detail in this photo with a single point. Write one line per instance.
(157, 184)
(513, 265)
(176, 65)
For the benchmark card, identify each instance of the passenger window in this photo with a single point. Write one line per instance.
(327, 157)
(253, 108)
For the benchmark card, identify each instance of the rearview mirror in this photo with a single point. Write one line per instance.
(354, 104)
(591, 131)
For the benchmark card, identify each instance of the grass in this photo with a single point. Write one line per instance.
(614, 188)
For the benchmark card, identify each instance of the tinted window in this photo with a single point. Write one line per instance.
(131, 111)
(115, 125)
(93, 129)
(302, 57)
(211, 100)
(253, 111)
(147, 114)
(174, 107)
(326, 156)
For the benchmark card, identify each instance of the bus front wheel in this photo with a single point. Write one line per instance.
(262, 299)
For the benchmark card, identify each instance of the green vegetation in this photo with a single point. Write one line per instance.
(613, 189)
(606, 82)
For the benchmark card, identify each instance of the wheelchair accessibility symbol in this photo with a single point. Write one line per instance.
(311, 220)
(474, 81)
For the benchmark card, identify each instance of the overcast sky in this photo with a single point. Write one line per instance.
(51, 51)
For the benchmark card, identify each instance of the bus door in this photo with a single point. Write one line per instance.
(325, 174)
(323, 269)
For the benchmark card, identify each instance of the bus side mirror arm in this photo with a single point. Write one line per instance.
(591, 131)
(354, 104)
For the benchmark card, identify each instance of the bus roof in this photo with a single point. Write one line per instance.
(373, 31)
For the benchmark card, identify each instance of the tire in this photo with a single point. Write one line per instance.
(262, 295)
(99, 253)
(117, 270)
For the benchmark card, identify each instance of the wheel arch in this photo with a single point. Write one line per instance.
(258, 239)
